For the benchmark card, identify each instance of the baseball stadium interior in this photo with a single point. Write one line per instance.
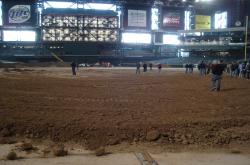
(124, 82)
(120, 31)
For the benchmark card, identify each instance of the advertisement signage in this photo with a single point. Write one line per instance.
(220, 20)
(19, 12)
(202, 22)
(171, 19)
(137, 18)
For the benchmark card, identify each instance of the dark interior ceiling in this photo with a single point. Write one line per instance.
(176, 3)
(215, 2)
(163, 2)
(237, 7)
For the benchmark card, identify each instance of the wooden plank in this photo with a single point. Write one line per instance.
(145, 158)
(56, 57)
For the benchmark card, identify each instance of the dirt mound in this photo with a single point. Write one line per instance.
(100, 151)
(25, 146)
(59, 151)
(153, 135)
(108, 109)
(7, 140)
(11, 156)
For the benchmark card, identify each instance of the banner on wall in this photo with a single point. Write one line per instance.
(202, 22)
(22, 12)
(220, 20)
(171, 19)
(137, 18)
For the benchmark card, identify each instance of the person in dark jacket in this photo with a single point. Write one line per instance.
(73, 66)
(248, 70)
(202, 68)
(138, 66)
(244, 71)
(217, 70)
(191, 68)
(187, 68)
(145, 67)
(151, 66)
(159, 68)
(209, 68)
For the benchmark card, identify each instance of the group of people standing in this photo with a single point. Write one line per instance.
(189, 68)
(203, 68)
(216, 68)
(239, 69)
(145, 67)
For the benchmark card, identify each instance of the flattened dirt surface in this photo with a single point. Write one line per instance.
(108, 107)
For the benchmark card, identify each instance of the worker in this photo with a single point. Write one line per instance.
(73, 66)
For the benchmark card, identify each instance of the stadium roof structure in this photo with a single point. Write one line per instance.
(143, 2)
(213, 30)
(240, 6)
(78, 11)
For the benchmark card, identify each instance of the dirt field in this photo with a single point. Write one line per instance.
(109, 107)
